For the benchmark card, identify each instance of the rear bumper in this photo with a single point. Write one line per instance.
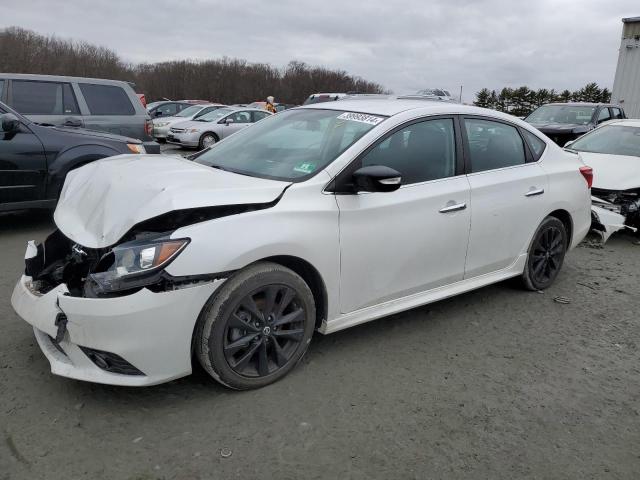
(151, 331)
(151, 146)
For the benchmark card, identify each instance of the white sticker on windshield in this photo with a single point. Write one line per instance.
(361, 117)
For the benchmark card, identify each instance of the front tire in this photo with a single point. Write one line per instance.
(257, 327)
(546, 254)
(206, 140)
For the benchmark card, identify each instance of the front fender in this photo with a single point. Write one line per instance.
(299, 226)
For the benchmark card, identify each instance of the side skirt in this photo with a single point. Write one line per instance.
(423, 298)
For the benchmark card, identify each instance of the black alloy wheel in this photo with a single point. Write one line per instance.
(546, 254)
(256, 326)
(264, 331)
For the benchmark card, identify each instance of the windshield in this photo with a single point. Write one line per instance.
(291, 145)
(215, 115)
(612, 139)
(152, 105)
(189, 111)
(569, 114)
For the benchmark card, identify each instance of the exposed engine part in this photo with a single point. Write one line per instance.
(608, 217)
(59, 260)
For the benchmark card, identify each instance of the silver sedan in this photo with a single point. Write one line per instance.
(162, 125)
(214, 126)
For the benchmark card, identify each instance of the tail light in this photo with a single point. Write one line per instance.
(143, 99)
(148, 127)
(587, 173)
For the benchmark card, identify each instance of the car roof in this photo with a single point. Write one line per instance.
(582, 104)
(64, 78)
(392, 105)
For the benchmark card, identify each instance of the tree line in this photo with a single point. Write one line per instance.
(225, 80)
(522, 100)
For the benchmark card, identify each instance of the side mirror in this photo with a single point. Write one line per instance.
(157, 113)
(376, 178)
(569, 143)
(10, 122)
(228, 120)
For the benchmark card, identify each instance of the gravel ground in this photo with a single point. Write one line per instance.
(497, 383)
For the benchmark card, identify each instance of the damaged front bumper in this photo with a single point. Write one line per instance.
(139, 339)
(606, 218)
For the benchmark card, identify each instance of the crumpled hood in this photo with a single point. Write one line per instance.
(101, 201)
(613, 172)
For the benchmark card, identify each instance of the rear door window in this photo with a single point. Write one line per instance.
(617, 113)
(536, 145)
(43, 98)
(106, 99)
(493, 145)
(1, 89)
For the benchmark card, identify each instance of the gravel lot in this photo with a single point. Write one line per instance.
(497, 383)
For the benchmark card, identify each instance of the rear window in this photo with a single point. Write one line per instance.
(320, 99)
(106, 99)
(43, 98)
(537, 146)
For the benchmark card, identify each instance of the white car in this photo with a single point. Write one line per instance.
(162, 125)
(208, 129)
(613, 151)
(318, 218)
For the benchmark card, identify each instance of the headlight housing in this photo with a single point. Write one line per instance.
(162, 124)
(136, 147)
(135, 264)
(191, 130)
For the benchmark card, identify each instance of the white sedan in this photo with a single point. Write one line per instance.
(316, 219)
(613, 150)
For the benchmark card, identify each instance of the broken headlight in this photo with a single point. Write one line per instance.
(135, 264)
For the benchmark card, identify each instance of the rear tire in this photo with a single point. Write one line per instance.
(546, 254)
(256, 327)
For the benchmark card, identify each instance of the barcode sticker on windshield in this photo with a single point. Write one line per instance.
(361, 117)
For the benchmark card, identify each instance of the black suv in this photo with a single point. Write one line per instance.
(563, 122)
(35, 158)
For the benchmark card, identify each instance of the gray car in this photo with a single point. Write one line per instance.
(214, 126)
(96, 104)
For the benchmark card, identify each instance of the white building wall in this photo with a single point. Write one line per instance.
(626, 85)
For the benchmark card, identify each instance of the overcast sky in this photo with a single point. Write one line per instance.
(405, 46)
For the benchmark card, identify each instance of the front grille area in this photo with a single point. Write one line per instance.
(110, 362)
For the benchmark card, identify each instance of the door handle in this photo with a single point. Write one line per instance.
(453, 208)
(534, 192)
(72, 122)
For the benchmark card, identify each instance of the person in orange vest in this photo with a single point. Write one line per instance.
(269, 106)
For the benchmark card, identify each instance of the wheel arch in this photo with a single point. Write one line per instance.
(210, 132)
(565, 217)
(311, 276)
